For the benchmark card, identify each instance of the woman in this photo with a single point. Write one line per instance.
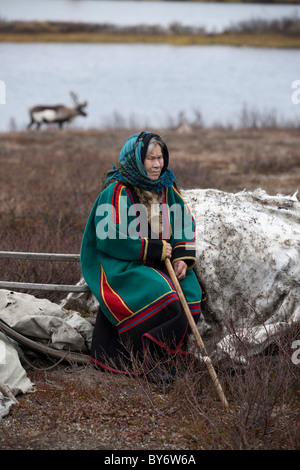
(138, 220)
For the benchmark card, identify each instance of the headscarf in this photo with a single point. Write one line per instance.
(131, 169)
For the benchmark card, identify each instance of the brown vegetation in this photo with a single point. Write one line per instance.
(49, 181)
(82, 408)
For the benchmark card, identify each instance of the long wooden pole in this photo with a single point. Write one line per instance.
(196, 333)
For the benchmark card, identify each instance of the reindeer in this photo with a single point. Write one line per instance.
(56, 114)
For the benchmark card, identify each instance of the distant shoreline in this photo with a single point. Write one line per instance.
(270, 35)
(258, 40)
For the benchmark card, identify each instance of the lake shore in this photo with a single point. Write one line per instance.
(261, 40)
(270, 35)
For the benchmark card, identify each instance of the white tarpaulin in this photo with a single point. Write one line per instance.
(12, 375)
(43, 321)
(46, 321)
(248, 261)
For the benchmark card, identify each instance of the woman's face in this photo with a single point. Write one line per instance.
(154, 162)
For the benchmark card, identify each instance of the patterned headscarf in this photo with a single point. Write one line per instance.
(131, 167)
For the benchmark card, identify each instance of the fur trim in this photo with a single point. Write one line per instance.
(152, 200)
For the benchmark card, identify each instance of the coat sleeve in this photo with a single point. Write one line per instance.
(183, 230)
(118, 228)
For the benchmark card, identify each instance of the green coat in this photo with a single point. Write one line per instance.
(123, 263)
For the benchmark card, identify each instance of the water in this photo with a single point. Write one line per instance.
(148, 85)
(210, 16)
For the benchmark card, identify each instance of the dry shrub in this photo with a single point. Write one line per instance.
(265, 163)
(263, 395)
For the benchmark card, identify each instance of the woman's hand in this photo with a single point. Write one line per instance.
(180, 268)
(168, 251)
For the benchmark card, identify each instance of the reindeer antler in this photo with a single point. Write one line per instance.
(74, 97)
(76, 101)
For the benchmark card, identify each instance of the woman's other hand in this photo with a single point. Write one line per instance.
(180, 268)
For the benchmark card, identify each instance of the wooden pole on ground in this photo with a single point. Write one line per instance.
(196, 333)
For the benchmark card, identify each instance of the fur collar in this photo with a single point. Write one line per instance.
(151, 200)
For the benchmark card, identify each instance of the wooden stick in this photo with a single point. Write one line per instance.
(196, 333)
